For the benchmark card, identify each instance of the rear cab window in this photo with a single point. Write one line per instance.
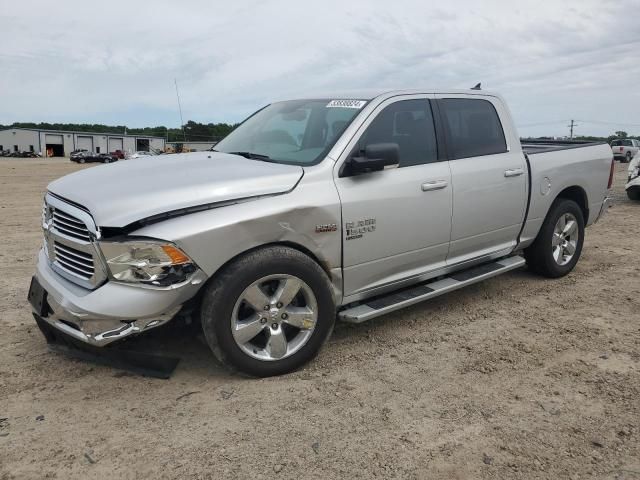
(472, 128)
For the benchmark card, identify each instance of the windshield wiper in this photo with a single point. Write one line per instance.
(253, 156)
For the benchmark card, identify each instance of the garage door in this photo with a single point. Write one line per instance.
(53, 139)
(115, 144)
(84, 143)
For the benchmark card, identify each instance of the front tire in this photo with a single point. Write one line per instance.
(269, 312)
(558, 246)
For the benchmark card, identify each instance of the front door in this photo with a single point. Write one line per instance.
(396, 222)
(489, 181)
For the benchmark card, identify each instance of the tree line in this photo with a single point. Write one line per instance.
(192, 131)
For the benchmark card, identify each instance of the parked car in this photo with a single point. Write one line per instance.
(312, 209)
(85, 156)
(118, 154)
(624, 149)
(633, 182)
(142, 153)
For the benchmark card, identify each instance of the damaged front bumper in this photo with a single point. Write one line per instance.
(109, 313)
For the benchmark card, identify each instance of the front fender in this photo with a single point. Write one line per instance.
(214, 237)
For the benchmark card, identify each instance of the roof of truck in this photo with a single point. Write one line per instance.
(369, 94)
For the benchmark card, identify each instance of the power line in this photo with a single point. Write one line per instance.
(619, 124)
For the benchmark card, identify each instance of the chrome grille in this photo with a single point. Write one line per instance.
(74, 261)
(69, 225)
(70, 235)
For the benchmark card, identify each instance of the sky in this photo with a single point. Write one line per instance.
(115, 62)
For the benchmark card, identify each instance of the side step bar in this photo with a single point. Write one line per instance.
(382, 305)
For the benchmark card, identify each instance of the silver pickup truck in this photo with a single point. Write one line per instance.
(345, 207)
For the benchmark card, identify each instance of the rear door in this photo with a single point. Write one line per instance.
(396, 222)
(489, 180)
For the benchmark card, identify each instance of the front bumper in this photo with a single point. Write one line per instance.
(113, 311)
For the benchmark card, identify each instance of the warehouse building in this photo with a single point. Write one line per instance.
(58, 143)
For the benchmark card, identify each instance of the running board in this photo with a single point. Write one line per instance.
(382, 305)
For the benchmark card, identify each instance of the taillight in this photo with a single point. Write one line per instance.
(621, 149)
(611, 174)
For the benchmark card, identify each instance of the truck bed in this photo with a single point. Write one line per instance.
(531, 147)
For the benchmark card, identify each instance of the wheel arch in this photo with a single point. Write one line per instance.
(326, 268)
(578, 195)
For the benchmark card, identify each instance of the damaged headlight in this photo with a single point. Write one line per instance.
(147, 262)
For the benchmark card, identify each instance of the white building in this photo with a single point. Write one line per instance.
(59, 143)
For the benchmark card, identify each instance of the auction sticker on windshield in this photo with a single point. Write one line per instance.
(346, 104)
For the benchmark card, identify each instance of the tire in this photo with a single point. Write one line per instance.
(106, 160)
(546, 258)
(627, 157)
(633, 194)
(81, 160)
(225, 311)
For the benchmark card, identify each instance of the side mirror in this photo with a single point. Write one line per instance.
(376, 157)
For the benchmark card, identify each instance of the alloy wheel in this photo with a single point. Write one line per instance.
(274, 317)
(565, 239)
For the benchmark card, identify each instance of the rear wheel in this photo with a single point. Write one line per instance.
(628, 157)
(269, 312)
(558, 245)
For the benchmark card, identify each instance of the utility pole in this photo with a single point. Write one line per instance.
(184, 135)
(573, 124)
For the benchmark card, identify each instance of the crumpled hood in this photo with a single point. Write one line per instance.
(121, 193)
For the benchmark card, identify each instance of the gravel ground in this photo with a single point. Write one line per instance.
(516, 377)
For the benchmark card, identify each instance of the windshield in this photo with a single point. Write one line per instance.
(299, 132)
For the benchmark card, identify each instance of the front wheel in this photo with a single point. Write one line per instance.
(558, 245)
(269, 312)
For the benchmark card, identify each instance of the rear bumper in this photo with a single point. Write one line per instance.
(603, 209)
(111, 312)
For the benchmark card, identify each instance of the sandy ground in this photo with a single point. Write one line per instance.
(517, 377)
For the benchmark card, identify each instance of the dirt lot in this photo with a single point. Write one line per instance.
(517, 377)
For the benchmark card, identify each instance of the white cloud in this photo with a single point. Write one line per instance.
(115, 62)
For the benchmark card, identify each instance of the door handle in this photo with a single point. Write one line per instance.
(435, 185)
(515, 172)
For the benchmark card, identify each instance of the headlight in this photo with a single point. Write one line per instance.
(148, 262)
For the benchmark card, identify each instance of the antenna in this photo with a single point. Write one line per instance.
(184, 135)
(477, 87)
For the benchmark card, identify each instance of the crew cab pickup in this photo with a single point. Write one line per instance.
(312, 210)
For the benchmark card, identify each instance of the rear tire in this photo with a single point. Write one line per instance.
(282, 336)
(627, 157)
(558, 246)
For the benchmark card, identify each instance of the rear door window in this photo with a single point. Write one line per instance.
(409, 124)
(473, 128)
